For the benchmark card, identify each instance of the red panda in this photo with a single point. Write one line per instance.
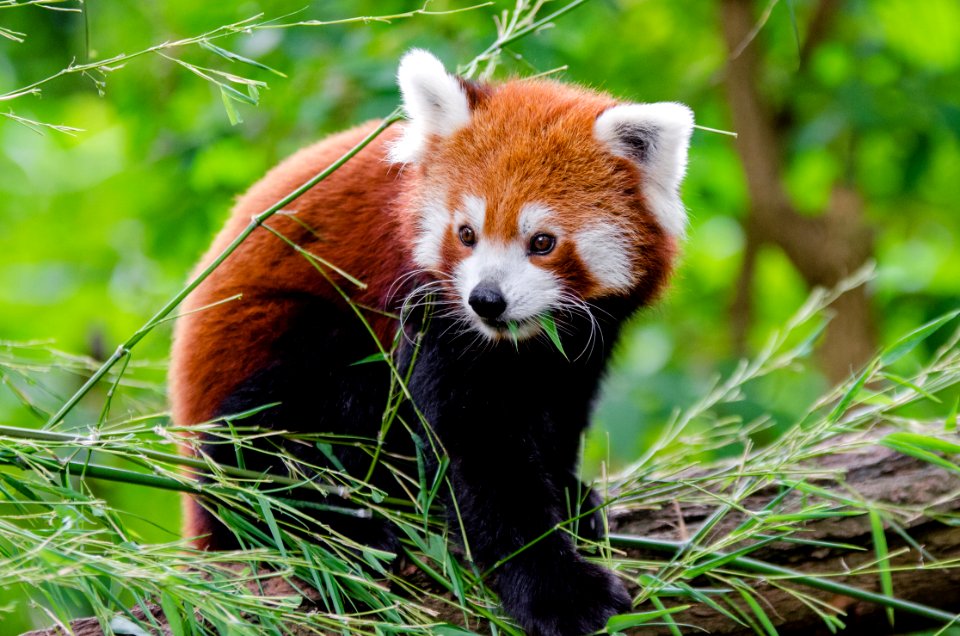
(497, 205)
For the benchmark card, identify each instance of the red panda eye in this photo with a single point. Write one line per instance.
(467, 236)
(542, 244)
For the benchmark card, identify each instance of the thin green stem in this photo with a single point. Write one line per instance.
(761, 567)
(109, 473)
(511, 34)
(94, 443)
(124, 349)
(243, 26)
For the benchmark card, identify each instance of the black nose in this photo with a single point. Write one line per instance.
(487, 300)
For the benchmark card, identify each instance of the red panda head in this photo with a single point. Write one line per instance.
(534, 197)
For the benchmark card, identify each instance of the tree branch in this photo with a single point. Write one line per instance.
(880, 476)
(819, 27)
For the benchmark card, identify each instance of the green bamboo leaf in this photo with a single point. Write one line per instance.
(926, 442)
(235, 94)
(699, 595)
(272, 525)
(451, 630)
(550, 328)
(850, 395)
(327, 450)
(514, 333)
(950, 423)
(910, 385)
(883, 559)
(232, 114)
(919, 453)
(123, 625)
(679, 588)
(906, 344)
(758, 611)
(720, 561)
(625, 621)
(171, 611)
(373, 357)
(235, 57)
(671, 624)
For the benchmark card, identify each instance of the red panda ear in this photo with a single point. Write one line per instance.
(436, 103)
(656, 138)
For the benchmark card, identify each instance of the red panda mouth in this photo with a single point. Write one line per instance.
(496, 323)
(510, 329)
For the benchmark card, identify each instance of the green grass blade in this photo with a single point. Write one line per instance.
(906, 344)
(816, 582)
(926, 442)
(746, 592)
(667, 618)
(883, 559)
(550, 328)
(228, 105)
(625, 621)
(271, 522)
(234, 57)
(171, 611)
(920, 453)
(373, 357)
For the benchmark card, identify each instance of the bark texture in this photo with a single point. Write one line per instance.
(880, 475)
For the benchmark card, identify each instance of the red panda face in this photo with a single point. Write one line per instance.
(535, 197)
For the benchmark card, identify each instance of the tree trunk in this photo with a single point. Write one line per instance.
(825, 248)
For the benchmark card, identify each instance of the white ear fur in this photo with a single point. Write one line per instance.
(656, 137)
(434, 100)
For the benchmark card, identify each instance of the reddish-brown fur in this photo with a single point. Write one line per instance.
(557, 163)
(362, 219)
(354, 226)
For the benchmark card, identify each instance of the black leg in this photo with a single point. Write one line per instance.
(508, 517)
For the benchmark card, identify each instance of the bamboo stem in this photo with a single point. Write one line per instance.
(761, 567)
(171, 458)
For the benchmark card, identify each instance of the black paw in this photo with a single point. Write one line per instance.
(569, 598)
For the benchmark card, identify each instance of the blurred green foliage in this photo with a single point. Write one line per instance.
(99, 229)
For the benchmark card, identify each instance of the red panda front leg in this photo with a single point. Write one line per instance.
(510, 423)
(542, 582)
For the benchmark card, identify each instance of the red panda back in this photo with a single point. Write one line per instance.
(349, 219)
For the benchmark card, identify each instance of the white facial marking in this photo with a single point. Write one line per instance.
(472, 212)
(528, 290)
(434, 223)
(535, 217)
(605, 249)
(431, 228)
(656, 137)
(434, 101)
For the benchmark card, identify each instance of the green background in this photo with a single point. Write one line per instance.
(99, 229)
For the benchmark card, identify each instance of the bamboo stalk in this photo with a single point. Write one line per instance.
(761, 567)
(170, 458)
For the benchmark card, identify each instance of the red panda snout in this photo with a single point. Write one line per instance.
(501, 274)
(487, 301)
